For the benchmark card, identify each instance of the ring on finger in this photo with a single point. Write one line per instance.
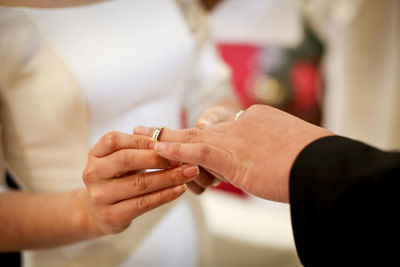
(238, 114)
(157, 132)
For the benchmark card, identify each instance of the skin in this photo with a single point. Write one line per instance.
(255, 152)
(116, 193)
(215, 114)
(220, 113)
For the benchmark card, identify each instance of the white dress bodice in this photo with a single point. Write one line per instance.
(130, 58)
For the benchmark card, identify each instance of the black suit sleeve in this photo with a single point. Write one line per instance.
(345, 198)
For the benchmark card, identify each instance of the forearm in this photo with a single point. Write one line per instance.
(30, 221)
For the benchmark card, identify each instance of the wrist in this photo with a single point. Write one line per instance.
(85, 220)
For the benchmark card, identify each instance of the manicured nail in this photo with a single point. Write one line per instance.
(191, 171)
(179, 189)
(141, 130)
(159, 147)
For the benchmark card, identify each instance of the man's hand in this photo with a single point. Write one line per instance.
(255, 152)
(213, 115)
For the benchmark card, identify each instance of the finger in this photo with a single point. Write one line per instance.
(114, 141)
(136, 185)
(200, 184)
(207, 119)
(217, 177)
(127, 160)
(127, 210)
(204, 179)
(130, 173)
(210, 157)
(190, 135)
(214, 115)
(195, 188)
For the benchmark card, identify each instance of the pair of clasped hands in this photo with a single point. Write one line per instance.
(254, 152)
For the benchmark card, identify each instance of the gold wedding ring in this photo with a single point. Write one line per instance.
(238, 115)
(157, 132)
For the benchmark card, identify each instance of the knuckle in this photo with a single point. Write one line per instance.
(111, 140)
(159, 161)
(142, 204)
(204, 154)
(139, 142)
(96, 196)
(173, 176)
(139, 183)
(191, 135)
(88, 174)
(175, 150)
(123, 158)
(163, 196)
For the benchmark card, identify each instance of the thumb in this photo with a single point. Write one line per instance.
(216, 160)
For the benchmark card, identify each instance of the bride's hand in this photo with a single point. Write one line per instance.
(117, 193)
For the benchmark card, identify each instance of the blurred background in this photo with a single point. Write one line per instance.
(275, 60)
(321, 61)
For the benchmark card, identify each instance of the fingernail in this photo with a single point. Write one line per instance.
(141, 130)
(159, 147)
(191, 171)
(179, 189)
(205, 122)
(201, 125)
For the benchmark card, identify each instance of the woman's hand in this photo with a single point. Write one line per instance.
(255, 152)
(117, 192)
